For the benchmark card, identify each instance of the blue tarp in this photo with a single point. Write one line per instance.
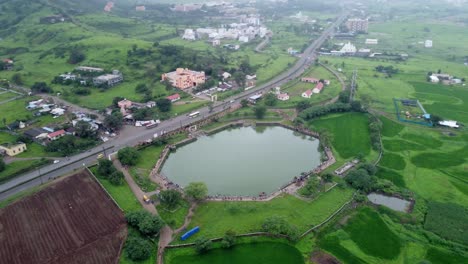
(190, 233)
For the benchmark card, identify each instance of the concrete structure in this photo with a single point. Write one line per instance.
(7, 64)
(309, 80)
(372, 41)
(88, 69)
(68, 76)
(449, 123)
(250, 80)
(244, 39)
(56, 135)
(125, 103)
(57, 111)
(348, 48)
(184, 78)
(358, 25)
(36, 133)
(13, 149)
(434, 79)
(140, 8)
(189, 34)
(428, 43)
(226, 75)
(173, 98)
(150, 104)
(255, 98)
(307, 94)
(283, 97)
(108, 79)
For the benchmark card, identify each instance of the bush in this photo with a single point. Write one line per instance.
(202, 245)
(260, 111)
(116, 178)
(137, 249)
(105, 167)
(170, 198)
(229, 239)
(128, 156)
(146, 223)
(196, 190)
(316, 111)
(277, 225)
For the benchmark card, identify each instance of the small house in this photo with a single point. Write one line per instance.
(307, 94)
(434, 79)
(13, 149)
(283, 97)
(36, 133)
(56, 135)
(318, 88)
(173, 98)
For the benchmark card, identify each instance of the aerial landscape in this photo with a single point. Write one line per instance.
(234, 131)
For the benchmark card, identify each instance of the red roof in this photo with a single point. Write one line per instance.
(319, 86)
(173, 97)
(7, 61)
(56, 133)
(308, 92)
(309, 79)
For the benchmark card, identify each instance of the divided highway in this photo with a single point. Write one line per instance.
(38, 177)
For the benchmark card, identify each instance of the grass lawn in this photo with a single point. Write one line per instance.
(18, 167)
(448, 220)
(438, 256)
(215, 218)
(121, 193)
(260, 253)
(350, 133)
(393, 161)
(174, 218)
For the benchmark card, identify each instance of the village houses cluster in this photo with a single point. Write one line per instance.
(85, 75)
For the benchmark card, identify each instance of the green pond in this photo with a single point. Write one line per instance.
(244, 161)
(258, 253)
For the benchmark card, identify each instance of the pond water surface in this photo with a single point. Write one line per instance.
(394, 203)
(244, 161)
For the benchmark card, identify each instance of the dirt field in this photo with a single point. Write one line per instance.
(72, 221)
(320, 257)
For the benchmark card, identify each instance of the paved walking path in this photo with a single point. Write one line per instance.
(135, 188)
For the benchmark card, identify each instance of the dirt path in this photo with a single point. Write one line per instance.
(135, 188)
(188, 218)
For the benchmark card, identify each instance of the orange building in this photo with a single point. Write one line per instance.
(184, 78)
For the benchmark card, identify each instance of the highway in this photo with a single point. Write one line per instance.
(32, 179)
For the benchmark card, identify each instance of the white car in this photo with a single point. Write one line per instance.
(56, 161)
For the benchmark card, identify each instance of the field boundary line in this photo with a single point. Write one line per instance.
(102, 187)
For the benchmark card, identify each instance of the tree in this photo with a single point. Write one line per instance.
(116, 177)
(239, 77)
(22, 138)
(2, 164)
(370, 168)
(164, 105)
(356, 106)
(134, 217)
(435, 119)
(327, 177)
(244, 103)
(197, 190)
(137, 249)
(229, 239)
(170, 198)
(142, 113)
(303, 105)
(128, 156)
(361, 180)
(145, 222)
(141, 88)
(83, 130)
(202, 245)
(16, 79)
(116, 100)
(270, 99)
(344, 96)
(105, 167)
(277, 225)
(114, 121)
(260, 111)
(312, 187)
(41, 87)
(76, 56)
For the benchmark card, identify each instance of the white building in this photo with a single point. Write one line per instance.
(189, 34)
(348, 48)
(434, 79)
(244, 39)
(372, 41)
(307, 94)
(428, 43)
(449, 123)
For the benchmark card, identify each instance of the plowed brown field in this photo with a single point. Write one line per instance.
(71, 221)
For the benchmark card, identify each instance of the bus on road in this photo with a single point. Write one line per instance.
(194, 114)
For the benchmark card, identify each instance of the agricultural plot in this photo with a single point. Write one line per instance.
(411, 111)
(64, 223)
(349, 133)
(364, 238)
(447, 220)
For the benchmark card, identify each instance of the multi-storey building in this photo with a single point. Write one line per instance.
(357, 25)
(184, 78)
